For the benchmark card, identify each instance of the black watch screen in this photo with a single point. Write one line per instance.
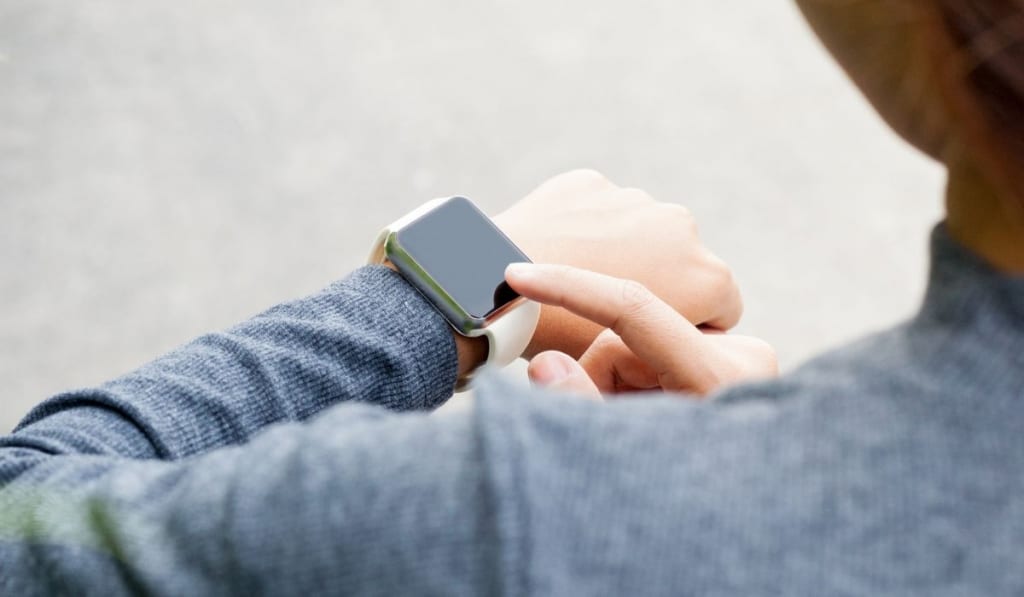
(455, 248)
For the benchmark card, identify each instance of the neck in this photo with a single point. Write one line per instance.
(987, 222)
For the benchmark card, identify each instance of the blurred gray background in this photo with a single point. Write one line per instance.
(167, 168)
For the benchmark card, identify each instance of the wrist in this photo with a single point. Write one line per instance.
(557, 329)
(472, 353)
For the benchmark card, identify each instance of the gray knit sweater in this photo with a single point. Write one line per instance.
(294, 454)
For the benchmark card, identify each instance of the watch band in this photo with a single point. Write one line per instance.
(508, 335)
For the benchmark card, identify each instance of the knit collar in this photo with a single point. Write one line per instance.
(964, 290)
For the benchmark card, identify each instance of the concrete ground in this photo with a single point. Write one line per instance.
(168, 168)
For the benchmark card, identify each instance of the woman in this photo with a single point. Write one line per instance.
(892, 466)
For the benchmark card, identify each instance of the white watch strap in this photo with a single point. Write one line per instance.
(510, 334)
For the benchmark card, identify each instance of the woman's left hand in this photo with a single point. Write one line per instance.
(647, 343)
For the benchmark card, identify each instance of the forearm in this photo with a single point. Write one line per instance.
(360, 501)
(370, 338)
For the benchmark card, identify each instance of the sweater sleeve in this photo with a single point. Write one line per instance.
(357, 501)
(268, 458)
(370, 337)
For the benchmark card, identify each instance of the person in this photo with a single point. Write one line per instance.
(272, 457)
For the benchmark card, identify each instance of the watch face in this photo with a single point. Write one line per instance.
(455, 249)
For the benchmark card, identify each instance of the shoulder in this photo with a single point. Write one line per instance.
(799, 480)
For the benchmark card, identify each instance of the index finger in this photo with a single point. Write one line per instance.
(652, 329)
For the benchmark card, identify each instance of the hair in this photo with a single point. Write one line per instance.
(989, 35)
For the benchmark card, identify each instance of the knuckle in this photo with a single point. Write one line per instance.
(730, 290)
(769, 356)
(721, 281)
(760, 355)
(635, 297)
(588, 177)
(720, 270)
(726, 277)
(607, 338)
(687, 221)
(636, 195)
(680, 219)
(681, 212)
(736, 298)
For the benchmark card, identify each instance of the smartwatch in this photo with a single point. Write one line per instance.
(456, 257)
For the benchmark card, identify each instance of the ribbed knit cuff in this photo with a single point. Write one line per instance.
(420, 334)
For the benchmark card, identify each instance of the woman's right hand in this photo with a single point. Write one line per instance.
(646, 344)
(582, 219)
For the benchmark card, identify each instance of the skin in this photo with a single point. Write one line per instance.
(683, 358)
(900, 56)
(600, 234)
(582, 219)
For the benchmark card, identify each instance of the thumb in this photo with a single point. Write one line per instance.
(558, 371)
